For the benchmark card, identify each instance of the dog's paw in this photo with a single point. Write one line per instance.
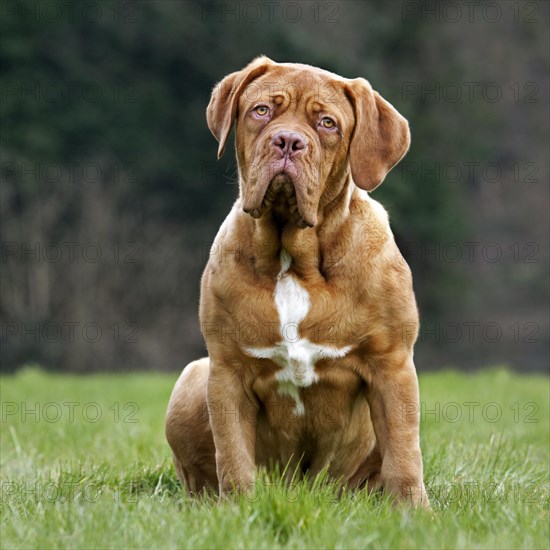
(408, 492)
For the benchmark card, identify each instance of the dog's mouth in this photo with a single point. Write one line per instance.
(280, 197)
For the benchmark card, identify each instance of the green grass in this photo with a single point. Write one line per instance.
(69, 481)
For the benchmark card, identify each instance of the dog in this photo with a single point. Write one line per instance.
(307, 306)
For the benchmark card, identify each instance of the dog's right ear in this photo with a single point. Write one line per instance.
(222, 109)
(381, 137)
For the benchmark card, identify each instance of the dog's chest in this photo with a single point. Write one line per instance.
(295, 355)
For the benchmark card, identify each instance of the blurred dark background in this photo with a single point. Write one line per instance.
(111, 193)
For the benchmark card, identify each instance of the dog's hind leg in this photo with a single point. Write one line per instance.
(188, 430)
(368, 474)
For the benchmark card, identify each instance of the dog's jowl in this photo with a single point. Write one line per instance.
(308, 326)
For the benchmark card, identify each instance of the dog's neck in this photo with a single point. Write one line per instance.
(312, 251)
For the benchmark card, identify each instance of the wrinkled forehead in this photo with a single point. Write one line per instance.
(299, 85)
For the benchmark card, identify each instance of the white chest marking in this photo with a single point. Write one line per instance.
(297, 356)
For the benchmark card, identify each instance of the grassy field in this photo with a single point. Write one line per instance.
(84, 464)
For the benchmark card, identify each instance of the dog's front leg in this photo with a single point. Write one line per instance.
(233, 420)
(395, 409)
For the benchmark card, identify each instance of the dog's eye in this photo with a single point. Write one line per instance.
(261, 110)
(327, 122)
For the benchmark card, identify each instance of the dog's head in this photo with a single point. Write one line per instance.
(299, 132)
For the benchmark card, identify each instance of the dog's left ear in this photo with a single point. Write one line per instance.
(381, 136)
(222, 109)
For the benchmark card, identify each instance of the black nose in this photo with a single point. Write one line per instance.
(289, 143)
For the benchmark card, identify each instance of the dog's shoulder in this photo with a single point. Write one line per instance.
(371, 224)
(228, 239)
(375, 246)
(362, 199)
(231, 251)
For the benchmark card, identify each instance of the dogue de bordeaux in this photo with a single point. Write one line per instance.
(307, 306)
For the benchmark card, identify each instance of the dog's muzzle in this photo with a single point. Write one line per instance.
(280, 195)
(281, 184)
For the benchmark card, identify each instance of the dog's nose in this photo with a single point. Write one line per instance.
(289, 143)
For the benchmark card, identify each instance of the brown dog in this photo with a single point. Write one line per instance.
(307, 306)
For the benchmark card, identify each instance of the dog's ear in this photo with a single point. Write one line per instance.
(222, 109)
(381, 136)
